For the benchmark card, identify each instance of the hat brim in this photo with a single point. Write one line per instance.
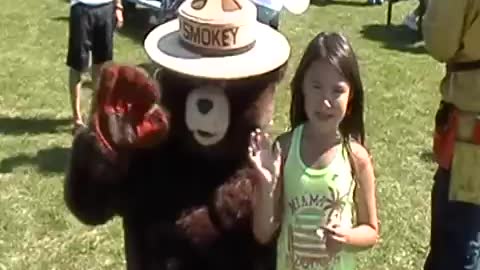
(163, 47)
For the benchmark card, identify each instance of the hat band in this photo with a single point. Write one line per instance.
(215, 40)
(215, 52)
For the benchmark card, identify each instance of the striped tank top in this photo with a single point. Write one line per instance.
(312, 198)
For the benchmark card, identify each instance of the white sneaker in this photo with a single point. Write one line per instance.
(411, 22)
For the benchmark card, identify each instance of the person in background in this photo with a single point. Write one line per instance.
(268, 11)
(375, 2)
(451, 31)
(91, 28)
(414, 19)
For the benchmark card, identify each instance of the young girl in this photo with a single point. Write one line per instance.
(324, 203)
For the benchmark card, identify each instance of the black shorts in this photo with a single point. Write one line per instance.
(91, 29)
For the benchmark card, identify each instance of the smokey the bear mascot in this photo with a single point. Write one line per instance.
(169, 154)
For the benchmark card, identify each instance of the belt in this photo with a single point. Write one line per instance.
(466, 122)
(451, 125)
(463, 66)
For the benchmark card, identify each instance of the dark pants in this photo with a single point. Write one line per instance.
(455, 230)
(421, 8)
(420, 12)
(91, 29)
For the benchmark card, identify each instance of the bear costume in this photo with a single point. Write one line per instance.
(168, 152)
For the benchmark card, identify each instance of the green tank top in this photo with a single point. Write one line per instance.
(312, 197)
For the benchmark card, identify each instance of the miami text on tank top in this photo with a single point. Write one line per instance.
(312, 198)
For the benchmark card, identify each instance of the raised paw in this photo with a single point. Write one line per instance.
(127, 111)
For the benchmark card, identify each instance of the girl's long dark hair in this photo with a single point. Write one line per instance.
(334, 48)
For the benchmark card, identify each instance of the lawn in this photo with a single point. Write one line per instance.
(37, 231)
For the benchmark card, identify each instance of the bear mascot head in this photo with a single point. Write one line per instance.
(167, 151)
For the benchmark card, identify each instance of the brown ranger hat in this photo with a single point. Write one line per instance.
(217, 39)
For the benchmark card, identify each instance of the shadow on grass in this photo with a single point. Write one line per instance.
(394, 37)
(51, 160)
(351, 3)
(60, 18)
(19, 126)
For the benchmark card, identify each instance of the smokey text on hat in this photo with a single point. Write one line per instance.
(208, 36)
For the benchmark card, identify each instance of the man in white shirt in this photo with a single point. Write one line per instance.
(92, 24)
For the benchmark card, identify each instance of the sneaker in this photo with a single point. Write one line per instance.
(411, 22)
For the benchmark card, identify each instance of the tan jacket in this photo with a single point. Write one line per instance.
(451, 30)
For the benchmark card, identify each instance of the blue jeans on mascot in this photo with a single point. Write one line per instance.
(455, 197)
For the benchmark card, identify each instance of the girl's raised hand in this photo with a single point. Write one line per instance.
(265, 159)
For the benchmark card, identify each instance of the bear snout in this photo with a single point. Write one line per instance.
(204, 105)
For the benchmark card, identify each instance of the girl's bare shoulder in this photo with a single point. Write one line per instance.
(360, 152)
(362, 157)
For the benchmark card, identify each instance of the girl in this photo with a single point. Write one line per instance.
(324, 173)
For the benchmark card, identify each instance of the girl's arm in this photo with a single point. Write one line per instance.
(267, 210)
(366, 233)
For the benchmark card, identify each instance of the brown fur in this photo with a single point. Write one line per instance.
(184, 206)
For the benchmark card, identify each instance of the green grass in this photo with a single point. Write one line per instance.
(37, 231)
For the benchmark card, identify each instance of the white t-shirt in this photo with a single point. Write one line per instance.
(90, 2)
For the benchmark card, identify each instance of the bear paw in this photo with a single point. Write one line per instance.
(197, 226)
(127, 112)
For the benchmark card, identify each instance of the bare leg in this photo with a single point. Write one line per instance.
(95, 74)
(75, 86)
